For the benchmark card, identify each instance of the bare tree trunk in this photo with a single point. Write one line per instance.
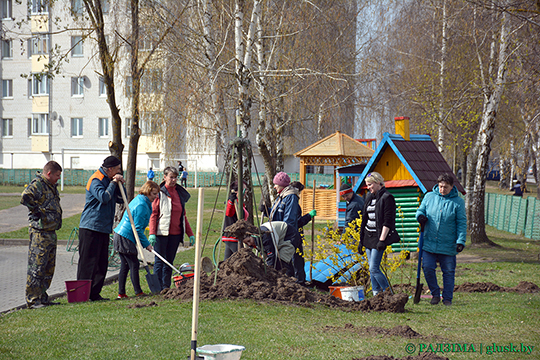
(485, 136)
(442, 76)
(136, 79)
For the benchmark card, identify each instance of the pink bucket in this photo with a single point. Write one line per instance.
(78, 290)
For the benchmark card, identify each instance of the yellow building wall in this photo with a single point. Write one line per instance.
(391, 168)
(38, 63)
(40, 23)
(40, 143)
(150, 144)
(40, 104)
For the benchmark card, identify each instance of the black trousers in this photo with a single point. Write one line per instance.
(129, 263)
(93, 259)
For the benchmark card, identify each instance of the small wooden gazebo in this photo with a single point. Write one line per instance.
(335, 150)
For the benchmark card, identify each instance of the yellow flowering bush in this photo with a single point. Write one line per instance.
(339, 252)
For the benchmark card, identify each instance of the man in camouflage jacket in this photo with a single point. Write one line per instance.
(42, 199)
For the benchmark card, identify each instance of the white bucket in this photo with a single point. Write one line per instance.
(221, 352)
(353, 293)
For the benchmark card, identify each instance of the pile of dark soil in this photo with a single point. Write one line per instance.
(423, 356)
(141, 305)
(244, 276)
(401, 330)
(524, 287)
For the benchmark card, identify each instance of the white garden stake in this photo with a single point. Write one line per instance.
(197, 277)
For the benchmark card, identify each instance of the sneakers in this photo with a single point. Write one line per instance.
(141, 294)
(99, 298)
(447, 302)
(122, 296)
(435, 300)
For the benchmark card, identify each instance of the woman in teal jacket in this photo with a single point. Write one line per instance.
(444, 223)
(124, 239)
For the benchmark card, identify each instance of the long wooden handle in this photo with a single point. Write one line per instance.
(312, 236)
(197, 278)
(138, 241)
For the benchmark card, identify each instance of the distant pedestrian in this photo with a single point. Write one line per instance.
(124, 238)
(150, 174)
(443, 220)
(183, 180)
(180, 167)
(42, 199)
(517, 189)
(102, 195)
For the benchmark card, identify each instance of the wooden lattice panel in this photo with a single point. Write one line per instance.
(333, 160)
(325, 203)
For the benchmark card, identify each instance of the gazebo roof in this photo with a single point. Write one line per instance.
(336, 145)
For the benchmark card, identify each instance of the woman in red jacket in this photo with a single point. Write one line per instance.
(168, 223)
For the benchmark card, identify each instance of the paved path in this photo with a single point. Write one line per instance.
(17, 217)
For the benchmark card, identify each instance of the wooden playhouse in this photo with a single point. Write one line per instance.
(410, 165)
(335, 150)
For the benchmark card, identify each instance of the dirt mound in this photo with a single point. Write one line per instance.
(244, 276)
(240, 229)
(524, 287)
(139, 305)
(423, 356)
(401, 330)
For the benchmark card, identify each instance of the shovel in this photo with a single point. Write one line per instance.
(419, 286)
(151, 279)
(183, 267)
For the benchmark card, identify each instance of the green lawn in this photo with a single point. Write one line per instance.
(114, 330)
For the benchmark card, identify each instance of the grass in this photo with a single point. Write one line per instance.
(7, 202)
(112, 330)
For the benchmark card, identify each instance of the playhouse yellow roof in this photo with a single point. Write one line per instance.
(337, 144)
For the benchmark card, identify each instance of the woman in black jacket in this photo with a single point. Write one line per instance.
(378, 229)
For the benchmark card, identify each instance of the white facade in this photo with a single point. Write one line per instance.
(65, 118)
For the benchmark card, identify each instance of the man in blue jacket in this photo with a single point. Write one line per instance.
(444, 223)
(102, 195)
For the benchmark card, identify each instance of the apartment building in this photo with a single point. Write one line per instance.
(60, 115)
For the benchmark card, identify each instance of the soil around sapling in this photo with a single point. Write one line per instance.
(244, 276)
(404, 331)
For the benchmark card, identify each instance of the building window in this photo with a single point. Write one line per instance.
(77, 86)
(40, 7)
(39, 45)
(7, 89)
(77, 7)
(128, 127)
(129, 87)
(151, 81)
(103, 127)
(7, 9)
(7, 127)
(76, 127)
(7, 49)
(148, 122)
(76, 46)
(102, 88)
(40, 124)
(40, 85)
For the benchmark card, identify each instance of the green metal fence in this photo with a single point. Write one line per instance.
(77, 177)
(514, 214)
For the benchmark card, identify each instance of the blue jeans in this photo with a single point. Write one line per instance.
(166, 246)
(448, 267)
(379, 282)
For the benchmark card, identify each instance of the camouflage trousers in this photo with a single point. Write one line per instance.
(41, 264)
